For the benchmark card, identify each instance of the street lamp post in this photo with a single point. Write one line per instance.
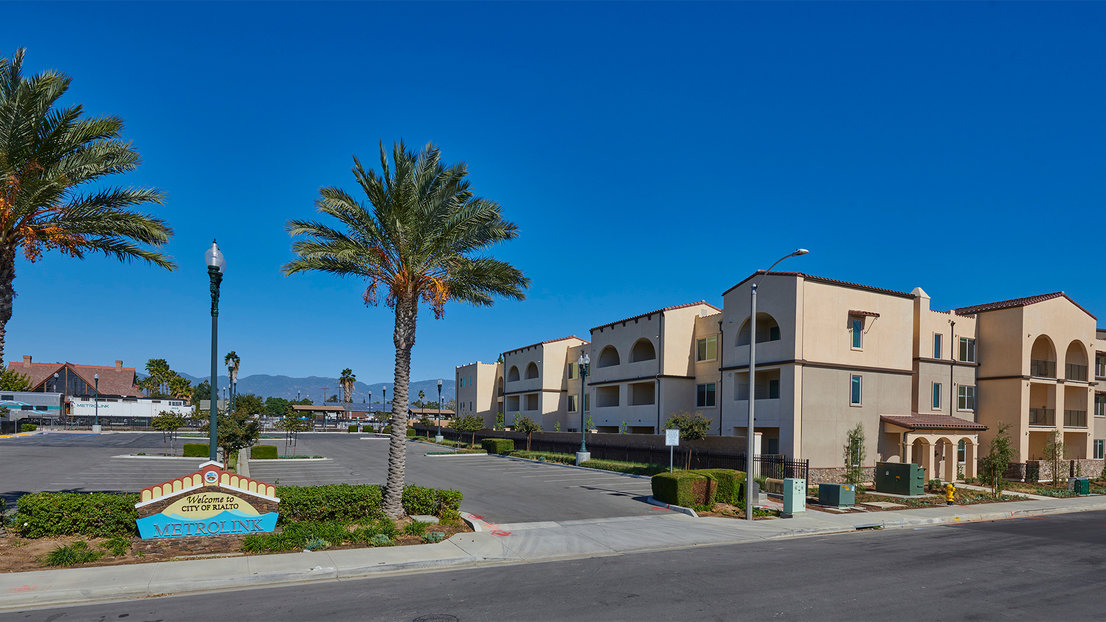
(96, 402)
(216, 264)
(750, 436)
(584, 363)
(438, 436)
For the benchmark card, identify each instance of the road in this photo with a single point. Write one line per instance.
(1031, 569)
(503, 490)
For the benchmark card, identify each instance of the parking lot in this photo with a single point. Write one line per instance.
(503, 490)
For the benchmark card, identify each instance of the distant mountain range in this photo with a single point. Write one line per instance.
(312, 387)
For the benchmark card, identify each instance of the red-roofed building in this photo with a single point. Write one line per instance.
(75, 380)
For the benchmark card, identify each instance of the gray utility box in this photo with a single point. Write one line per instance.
(794, 495)
(837, 495)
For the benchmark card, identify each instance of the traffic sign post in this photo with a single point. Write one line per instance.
(672, 439)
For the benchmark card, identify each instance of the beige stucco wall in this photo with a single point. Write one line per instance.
(478, 395)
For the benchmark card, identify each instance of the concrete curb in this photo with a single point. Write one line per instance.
(675, 508)
(161, 458)
(450, 454)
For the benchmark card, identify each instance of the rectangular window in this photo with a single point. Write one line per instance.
(1098, 448)
(936, 395)
(855, 393)
(773, 333)
(572, 371)
(462, 383)
(936, 345)
(1100, 405)
(858, 332)
(962, 451)
(706, 349)
(572, 403)
(1099, 367)
(967, 350)
(704, 395)
(774, 389)
(965, 398)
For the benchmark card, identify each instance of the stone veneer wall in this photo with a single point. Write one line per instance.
(1043, 468)
(836, 475)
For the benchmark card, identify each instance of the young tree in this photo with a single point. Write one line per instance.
(168, 423)
(47, 153)
(527, 426)
(250, 403)
(500, 424)
(235, 431)
(11, 380)
(855, 454)
(467, 424)
(420, 239)
(993, 466)
(692, 426)
(202, 391)
(1054, 454)
(277, 407)
(292, 426)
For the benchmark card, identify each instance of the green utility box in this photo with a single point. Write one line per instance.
(794, 495)
(900, 478)
(1080, 485)
(837, 495)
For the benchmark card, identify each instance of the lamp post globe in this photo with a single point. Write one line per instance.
(584, 365)
(438, 436)
(96, 409)
(216, 264)
(750, 430)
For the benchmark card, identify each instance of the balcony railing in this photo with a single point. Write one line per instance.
(1042, 416)
(1075, 418)
(1075, 372)
(1042, 369)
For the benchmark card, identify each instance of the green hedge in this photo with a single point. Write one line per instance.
(387, 429)
(684, 488)
(27, 427)
(410, 432)
(633, 468)
(357, 503)
(502, 446)
(352, 427)
(548, 456)
(263, 452)
(432, 501)
(95, 515)
(731, 485)
(196, 450)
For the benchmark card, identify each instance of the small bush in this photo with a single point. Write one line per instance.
(196, 450)
(76, 553)
(433, 537)
(414, 528)
(316, 544)
(501, 446)
(432, 501)
(387, 429)
(617, 466)
(684, 488)
(27, 427)
(94, 515)
(117, 546)
(352, 427)
(263, 452)
(411, 432)
(380, 540)
(935, 484)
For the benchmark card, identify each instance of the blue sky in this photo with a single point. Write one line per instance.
(652, 154)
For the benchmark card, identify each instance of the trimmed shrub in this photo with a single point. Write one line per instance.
(501, 446)
(196, 450)
(432, 501)
(731, 485)
(685, 488)
(352, 427)
(263, 452)
(387, 429)
(633, 468)
(27, 427)
(95, 515)
(411, 433)
(333, 502)
(547, 456)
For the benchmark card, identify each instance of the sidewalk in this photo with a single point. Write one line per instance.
(491, 544)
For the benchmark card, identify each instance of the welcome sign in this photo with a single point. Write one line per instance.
(209, 502)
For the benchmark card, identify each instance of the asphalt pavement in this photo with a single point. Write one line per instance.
(1043, 568)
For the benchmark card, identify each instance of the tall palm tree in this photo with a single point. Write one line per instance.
(346, 382)
(419, 238)
(232, 362)
(47, 152)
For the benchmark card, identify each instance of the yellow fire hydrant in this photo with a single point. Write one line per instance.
(950, 493)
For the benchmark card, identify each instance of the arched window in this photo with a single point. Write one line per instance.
(1075, 362)
(608, 357)
(642, 351)
(531, 371)
(767, 330)
(1042, 358)
(513, 374)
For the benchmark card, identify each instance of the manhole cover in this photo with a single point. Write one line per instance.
(437, 617)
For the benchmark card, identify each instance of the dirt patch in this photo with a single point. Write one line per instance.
(25, 554)
(725, 510)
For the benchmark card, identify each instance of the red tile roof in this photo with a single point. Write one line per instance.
(641, 315)
(1020, 302)
(822, 279)
(863, 313)
(542, 343)
(919, 421)
(113, 380)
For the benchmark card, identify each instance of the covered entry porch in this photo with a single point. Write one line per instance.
(946, 447)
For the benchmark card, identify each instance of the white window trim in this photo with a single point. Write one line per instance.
(935, 391)
(715, 357)
(965, 410)
(852, 332)
(938, 348)
(851, 402)
(1098, 449)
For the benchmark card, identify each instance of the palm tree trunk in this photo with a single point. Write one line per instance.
(404, 338)
(7, 293)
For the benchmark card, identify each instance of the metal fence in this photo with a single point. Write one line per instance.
(781, 467)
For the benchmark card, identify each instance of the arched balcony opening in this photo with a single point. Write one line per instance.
(512, 375)
(767, 330)
(642, 351)
(608, 357)
(531, 371)
(1075, 362)
(1042, 358)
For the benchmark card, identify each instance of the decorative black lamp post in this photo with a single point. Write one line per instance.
(216, 263)
(96, 401)
(438, 437)
(584, 363)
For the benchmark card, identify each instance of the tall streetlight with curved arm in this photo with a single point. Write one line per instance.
(750, 484)
(216, 264)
